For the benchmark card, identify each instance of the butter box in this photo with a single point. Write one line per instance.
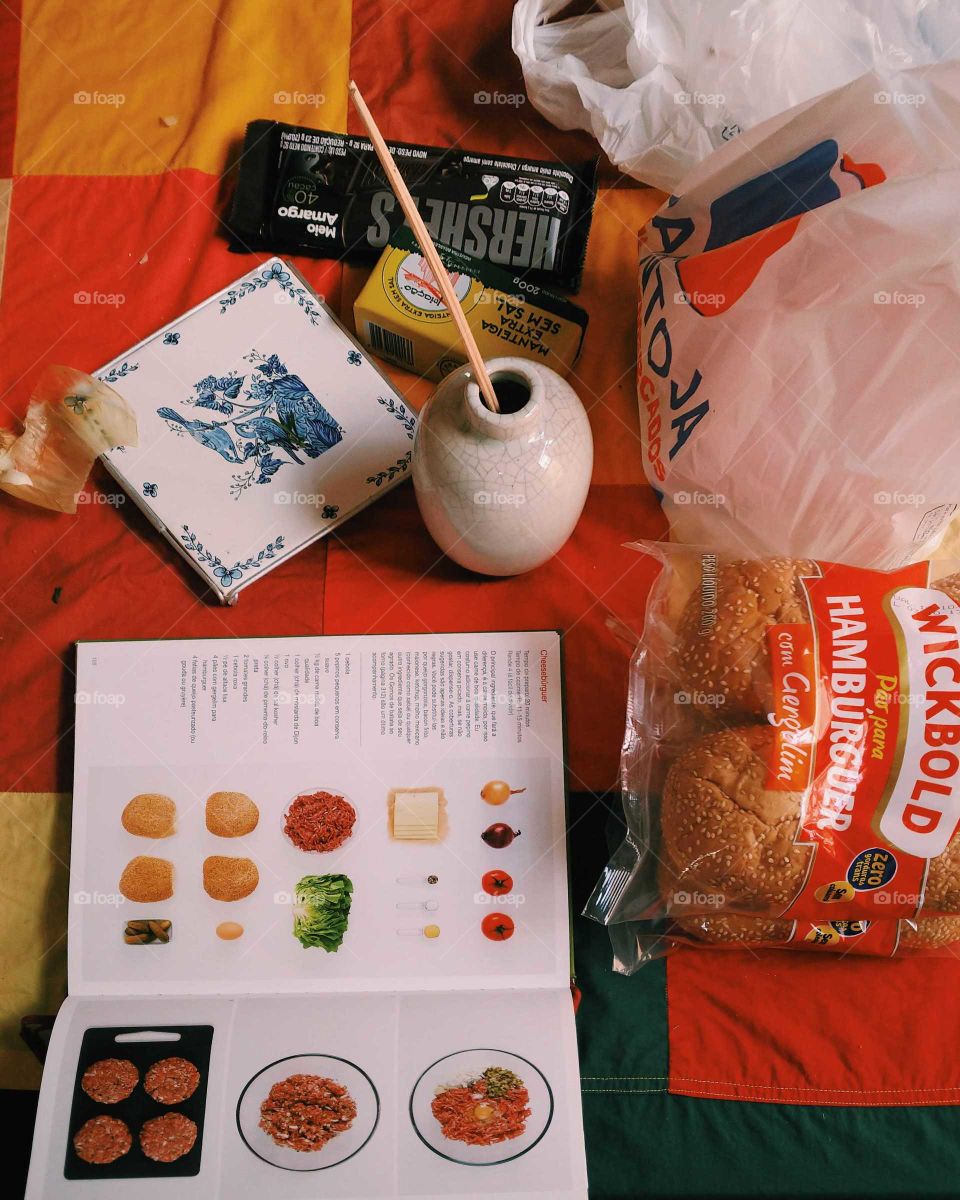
(400, 315)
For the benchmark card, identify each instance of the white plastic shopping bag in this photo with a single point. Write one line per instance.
(799, 341)
(661, 83)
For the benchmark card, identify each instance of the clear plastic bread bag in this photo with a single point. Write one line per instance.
(792, 749)
(636, 943)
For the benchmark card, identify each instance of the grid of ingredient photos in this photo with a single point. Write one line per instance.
(319, 923)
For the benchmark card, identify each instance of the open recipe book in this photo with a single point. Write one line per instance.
(319, 924)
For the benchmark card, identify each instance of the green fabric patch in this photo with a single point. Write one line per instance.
(643, 1142)
(663, 1145)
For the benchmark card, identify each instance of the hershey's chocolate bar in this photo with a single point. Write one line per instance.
(306, 191)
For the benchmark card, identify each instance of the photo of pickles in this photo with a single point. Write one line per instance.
(148, 932)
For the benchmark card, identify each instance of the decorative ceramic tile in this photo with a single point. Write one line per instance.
(263, 425)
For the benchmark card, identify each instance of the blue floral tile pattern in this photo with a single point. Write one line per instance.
(119, 371)
(274, 273)
(278, 415)
(398, 409)
(259, 418)
(228, 575)
(390, 473)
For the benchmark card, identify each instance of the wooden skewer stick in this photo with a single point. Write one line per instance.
(427, 248)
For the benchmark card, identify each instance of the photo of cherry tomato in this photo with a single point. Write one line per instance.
(497, 926)
(497, 883)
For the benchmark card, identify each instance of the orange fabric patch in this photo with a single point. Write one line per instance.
(118, 88)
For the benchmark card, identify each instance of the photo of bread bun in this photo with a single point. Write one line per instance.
(146, 880)
(728, 841)
(721, 650)
(231, 814)
(229, 878)
(150, 815)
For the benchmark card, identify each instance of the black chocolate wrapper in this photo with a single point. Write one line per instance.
(305, 191)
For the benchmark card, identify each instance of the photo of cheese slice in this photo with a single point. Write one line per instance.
(416, 814)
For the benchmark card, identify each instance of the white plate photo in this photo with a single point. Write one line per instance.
(340, 1147)
(470, 1064)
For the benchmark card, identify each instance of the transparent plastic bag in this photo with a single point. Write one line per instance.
(662, 83)
(71, 420)
(787, 755)
(636, 943)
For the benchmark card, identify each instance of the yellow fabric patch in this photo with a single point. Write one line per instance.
(133, 89)
(34, 877)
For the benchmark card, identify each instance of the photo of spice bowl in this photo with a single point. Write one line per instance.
(308, 1112)
(481, 1107)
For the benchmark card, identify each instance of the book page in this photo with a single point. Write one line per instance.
(347, 814)
(429, 1095)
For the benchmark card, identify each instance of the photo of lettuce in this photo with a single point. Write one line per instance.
(322, 908)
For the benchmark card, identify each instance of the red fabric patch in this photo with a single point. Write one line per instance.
(10, 27)
(425, 80)
(75, 242)
(385, 575)
(117, 577)
(795, 1028)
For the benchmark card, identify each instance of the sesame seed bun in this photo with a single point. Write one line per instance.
(924, 933)
(150, 815)
(929, 933)
(728, 838)
(724, 831)
(146, 880)
(728, 928)
(229, 878)
(231, 814)
(725, 667)
(723, 653)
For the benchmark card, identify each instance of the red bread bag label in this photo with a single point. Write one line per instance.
(878, 939)
(878, 761)
(794, 713)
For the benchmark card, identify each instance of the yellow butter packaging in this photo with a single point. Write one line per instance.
(400, 314)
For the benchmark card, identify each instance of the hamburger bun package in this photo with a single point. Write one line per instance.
(791, 764)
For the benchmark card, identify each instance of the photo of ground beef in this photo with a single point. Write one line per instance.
(319, 821)
(110, 1080)
(102, 1140)
(303, 1112)
(167, 1138)
(171, 1080)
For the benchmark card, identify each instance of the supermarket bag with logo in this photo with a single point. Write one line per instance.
(799, 303)
(791, 766)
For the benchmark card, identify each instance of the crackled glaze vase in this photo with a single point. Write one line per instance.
(501, 492)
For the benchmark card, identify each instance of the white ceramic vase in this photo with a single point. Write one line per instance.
(501, 492)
